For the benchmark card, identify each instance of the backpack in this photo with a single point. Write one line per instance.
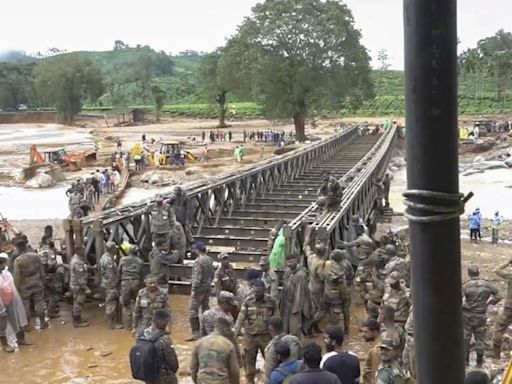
(144, 360)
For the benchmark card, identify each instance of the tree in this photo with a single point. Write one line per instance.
(301, 54)
(216, 82)
(143, 68)
(15, 84)
(119, 44)
(67, 81)
(383, 58)
(158, 97)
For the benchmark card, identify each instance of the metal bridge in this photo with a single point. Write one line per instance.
(236, 213)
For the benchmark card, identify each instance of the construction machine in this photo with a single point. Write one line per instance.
(71, 161)
(171, 152)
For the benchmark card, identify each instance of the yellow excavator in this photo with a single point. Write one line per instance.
(71, 161)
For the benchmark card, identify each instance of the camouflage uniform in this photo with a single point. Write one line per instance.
(397, 264)
(214, 361)
(130, 276)
(168, 361)
(390, 373)
(505, 317)
(159, 265)
(395, 333)
(371, 289)
(146, 304)
(398, 299)
(271, 281)
(162, 218)
(270, 354)
(476, 293)
(254, 317)
(295, 304)
(202, 275)
(409, 355)
(109, 279)
(29, 279)
(181, 205)
(336, 296)
(208, 320)
(225, 280)
(316, 284)
(178, 241)
(78, 286)
(52, 287)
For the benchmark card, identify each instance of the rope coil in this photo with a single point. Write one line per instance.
(434, 206)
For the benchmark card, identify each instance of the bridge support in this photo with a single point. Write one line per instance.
(432, 175)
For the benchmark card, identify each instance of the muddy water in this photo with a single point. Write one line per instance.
(20, 204)
(491, 190)
(63, 354)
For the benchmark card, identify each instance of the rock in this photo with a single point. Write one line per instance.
(471, 172)
(487, 165)
(398, 162)
(483, 146)
(479, 159)
(19, 176)
(192, 171)
(40, 181)
(156, 178)
(393, 169)
(508, 162)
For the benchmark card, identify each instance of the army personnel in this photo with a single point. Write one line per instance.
(386, 184)
(389, 328)
(380, 192)
(395, 263)
(409, 355)
(162, 218)
(165, 353)
(159, 261)
(129, 278)
(477, 295)
(225, 279)
(360, 248)
(275, 327)
(371, 287)
(226, 302)
(269, 278)
(78, 286)
(390, 370)
(52, 287)
(109, 279)
(148, 300)
(316, 265)
(29, 279)
(254, 317)
(505, 317)
(295, 305)
(330, 193)
(346, 265)
(202, 275)
(398, 299)
(214, 358)
(181, 206)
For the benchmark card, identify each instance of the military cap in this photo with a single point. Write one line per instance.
(149, 278)
(159, 197)
(110, 244)
(390, 250)
(473, 269)
(389, 343)
(226, 297)
(264, 260)
(199, 246)
(223, 255)
(394, 277)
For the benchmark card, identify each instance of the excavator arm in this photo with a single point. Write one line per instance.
(35, 156)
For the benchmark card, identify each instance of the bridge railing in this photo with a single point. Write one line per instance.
(209, 200)
(358, 198)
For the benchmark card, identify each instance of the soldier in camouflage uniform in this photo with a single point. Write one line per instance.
(159, 261)
(398, 299)
(275, 328)
(202, 275)
(409, 355)
(52, 288)
(395, 263)
(162, 218)
(78, 286)
(336, 294)
(390, 329)
(129, 274)
(390, 370)
(29, 279)
(214, 358)
(370, 286)
(254, 317)
(505, 317)
(181, 205)
(225, 279)
(226, 303)
(148, 300)
(108, 282)
(166, 355)
(316, 263)
(269, 278)
(360, 248)
(477, 295)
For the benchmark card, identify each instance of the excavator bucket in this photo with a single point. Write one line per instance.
(189, 156)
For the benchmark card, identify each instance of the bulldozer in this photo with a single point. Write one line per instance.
(71, 161)
(171, 153)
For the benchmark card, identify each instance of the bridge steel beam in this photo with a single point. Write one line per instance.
(433, 199)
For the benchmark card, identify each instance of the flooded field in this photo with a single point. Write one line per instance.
(20, 204)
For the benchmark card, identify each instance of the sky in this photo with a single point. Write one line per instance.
(203, 25)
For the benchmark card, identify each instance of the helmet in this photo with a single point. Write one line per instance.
(390, 250)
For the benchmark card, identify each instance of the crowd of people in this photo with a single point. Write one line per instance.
(316, 286)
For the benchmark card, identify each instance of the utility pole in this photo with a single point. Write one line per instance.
(433, 201)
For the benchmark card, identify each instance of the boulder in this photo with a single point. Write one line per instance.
(508, 162)
(483, 146)
(393, 169)
(40, 181)
(398, 162)
(479, 159)
(487, 165)
(192, 171)
(471, 172)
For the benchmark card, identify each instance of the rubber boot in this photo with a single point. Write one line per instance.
(78, 322)
(112, 324)
(479, 359)
(43, 324)
(195, 326)
(496, 351)
(5, 345)
(20, 336)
